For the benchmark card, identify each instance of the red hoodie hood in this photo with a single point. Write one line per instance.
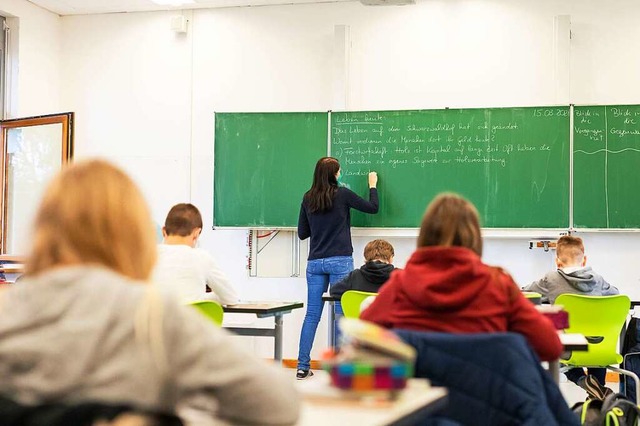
(444, 279)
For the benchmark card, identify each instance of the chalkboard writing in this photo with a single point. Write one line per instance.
(512, 163)
(263, 164)
(606, 159)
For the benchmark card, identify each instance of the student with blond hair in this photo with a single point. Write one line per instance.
(183, 268)
(446, 287)
(575, 277)
(378, 266)
(572, 274)
(84, 326)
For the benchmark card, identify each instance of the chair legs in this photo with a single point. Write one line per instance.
(631, 374)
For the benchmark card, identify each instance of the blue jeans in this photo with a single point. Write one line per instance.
(320, 274)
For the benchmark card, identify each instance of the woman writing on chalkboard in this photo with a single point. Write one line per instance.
(325, 217)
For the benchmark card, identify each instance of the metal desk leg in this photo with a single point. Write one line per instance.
(332, 325)
(554, 370)
(277, 339)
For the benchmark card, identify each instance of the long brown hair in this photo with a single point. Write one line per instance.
(451, 220)
(93, 214)
(320, 197)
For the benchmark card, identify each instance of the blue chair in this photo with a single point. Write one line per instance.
(492, 379)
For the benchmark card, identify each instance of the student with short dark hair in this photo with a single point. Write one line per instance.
(378, 257)
(574, 277)
(184, 269)
(446, 287)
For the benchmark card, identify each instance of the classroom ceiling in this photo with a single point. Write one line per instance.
(86, 7)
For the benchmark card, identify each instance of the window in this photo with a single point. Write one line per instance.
(33, 150)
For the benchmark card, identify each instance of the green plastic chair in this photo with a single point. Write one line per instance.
(351, 301)
(600, 319)
(210, 309)
(533, 297)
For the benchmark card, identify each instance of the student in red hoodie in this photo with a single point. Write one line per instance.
(445, 286)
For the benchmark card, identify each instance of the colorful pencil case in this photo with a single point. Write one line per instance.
(362, 376)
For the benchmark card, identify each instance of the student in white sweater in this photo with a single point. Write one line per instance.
(184, 269)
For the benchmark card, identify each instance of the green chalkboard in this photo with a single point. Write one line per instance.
(512, 163)
(263, 164)
(606, 160)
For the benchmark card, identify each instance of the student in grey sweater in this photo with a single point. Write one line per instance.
(84, 326)
(573, 276)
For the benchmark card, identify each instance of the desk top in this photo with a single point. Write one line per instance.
(262, 307)
(8, 269)
(330, 298)
(325, 405)
(11, 268)
(573, 342)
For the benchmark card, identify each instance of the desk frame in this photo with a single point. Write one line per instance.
(264, 310)
(332, 319)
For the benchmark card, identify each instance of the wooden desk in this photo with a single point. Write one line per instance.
(264, 310)
(325, 405)
(570, 342)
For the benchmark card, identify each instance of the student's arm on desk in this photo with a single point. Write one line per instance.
(539, 331)
(540, 286)
(221, 289)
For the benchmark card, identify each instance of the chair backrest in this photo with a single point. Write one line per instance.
(351, 301)
(492, 379)
(210, 309)
(533, 297)
(600, 319)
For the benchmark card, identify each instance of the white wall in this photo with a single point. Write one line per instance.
(145, 97)
(36, 35)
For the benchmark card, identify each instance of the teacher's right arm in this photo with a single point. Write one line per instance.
(363, 205)
(304, 231)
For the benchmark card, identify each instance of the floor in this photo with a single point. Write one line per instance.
(573, 393)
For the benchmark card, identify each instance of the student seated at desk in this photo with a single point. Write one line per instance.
(446, 287)
(378, 257)
(574, 277)
(83, 325)
(184, 269)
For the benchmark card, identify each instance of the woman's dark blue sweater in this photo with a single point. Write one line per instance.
(330, 230)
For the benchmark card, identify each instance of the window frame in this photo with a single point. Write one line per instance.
(66, 120)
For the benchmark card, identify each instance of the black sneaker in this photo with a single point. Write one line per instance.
(303, 374)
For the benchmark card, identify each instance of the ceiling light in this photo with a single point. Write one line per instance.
(172, 2)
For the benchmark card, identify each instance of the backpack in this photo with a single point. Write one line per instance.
(631, 360)
(615, 410)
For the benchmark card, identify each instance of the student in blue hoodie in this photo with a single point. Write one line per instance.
(378, 257)
(574, 277)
